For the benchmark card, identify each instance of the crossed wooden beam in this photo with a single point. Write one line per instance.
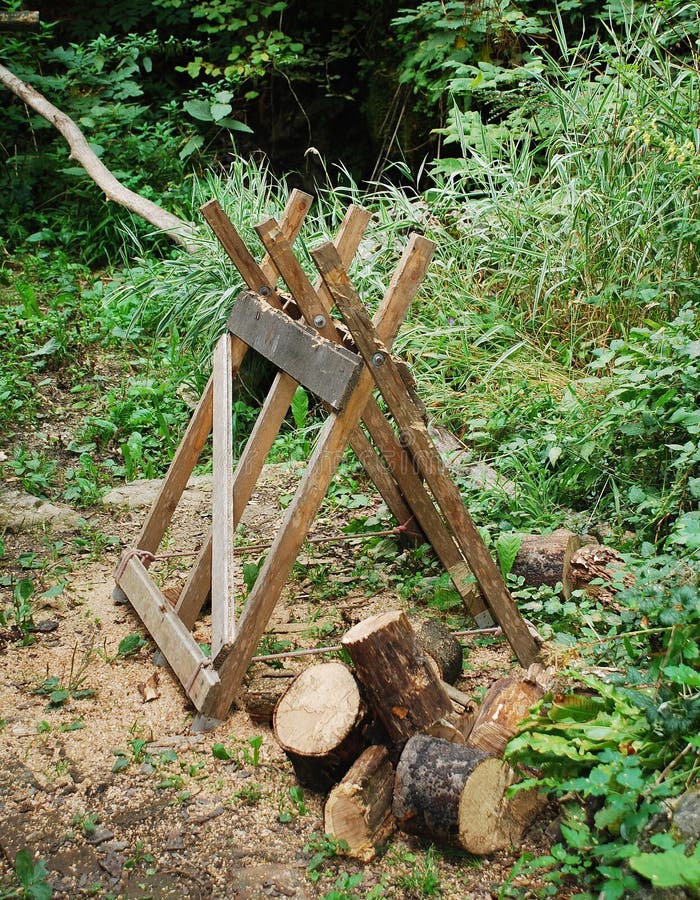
(297, 333)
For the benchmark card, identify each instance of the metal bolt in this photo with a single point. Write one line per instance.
(319, 321)
(264, 291)
(378, 359)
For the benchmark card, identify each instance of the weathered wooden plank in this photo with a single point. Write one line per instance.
(314, 309)
(414, 434)
(194, 670)
(428, 517)
(267, 425)
(223, 624)
(325, 368)
(198, 584)
(322, 465)
(259, 278)
(315, 306)
(197, 587)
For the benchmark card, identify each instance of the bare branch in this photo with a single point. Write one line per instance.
(23, 19)
(177, 229)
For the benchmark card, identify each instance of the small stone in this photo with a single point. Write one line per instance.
(686, 819)
(174, 841)
(99, 835)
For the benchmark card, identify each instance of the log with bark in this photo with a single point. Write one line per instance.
(358, 809)
(505, 705)
(177, 229)
(319, 723)
(401, 682)
(264, 688)
(544, 558)
(437, 640)
(456, 794)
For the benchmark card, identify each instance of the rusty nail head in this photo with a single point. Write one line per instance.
(378, 359)
(319, 321)
(264, 291)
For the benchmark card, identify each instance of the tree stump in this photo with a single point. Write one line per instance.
(544, 558)
(402, 685)
(506, 703)
(456, 794)
(319, 722)
(358, 809)
(437, 640)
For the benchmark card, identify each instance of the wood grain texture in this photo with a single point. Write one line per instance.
(328, 370)
(184, 655)
(358, 809)
(223, 621)
(319, 722)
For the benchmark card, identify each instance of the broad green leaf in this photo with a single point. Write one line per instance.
(219, 111)
(300, 407)
(198, 109)
(130, 644)
(507, 547)
(672, 868)
(220, 752)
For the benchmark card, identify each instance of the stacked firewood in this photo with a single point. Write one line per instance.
(398, 746)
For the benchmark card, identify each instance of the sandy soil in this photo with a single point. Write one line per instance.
(115, 794)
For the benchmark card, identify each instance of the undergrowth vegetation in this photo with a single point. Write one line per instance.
(556, 335)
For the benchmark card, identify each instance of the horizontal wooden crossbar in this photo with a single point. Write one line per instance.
(328, 370)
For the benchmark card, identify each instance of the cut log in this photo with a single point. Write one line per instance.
(437, 640)
(358, 809)
(402, 684)
(593, 562)
(263, 691)
(456, 794)
(506, 704)
(319, 722)
(544, 558)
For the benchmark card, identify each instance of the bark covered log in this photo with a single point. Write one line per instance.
(437, 640)
(319, 723)
(176, 228)
(402, 684)
(263, 691)
(544, 558)
(358, 809)
(456, 794)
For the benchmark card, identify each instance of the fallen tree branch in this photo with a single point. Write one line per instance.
(21, 19)
(176, 228)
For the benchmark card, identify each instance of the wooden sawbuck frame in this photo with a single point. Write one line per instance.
(341, 363)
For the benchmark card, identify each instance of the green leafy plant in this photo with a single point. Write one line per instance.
(507, 547)
(322, 848)
(614, 753)
(57, 693)
(423, 878)
(131, 644)
(32, 876)
(295, 807)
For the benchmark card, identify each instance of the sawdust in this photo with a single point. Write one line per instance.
(114, 793)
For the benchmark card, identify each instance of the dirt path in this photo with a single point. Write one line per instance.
(109, 788)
